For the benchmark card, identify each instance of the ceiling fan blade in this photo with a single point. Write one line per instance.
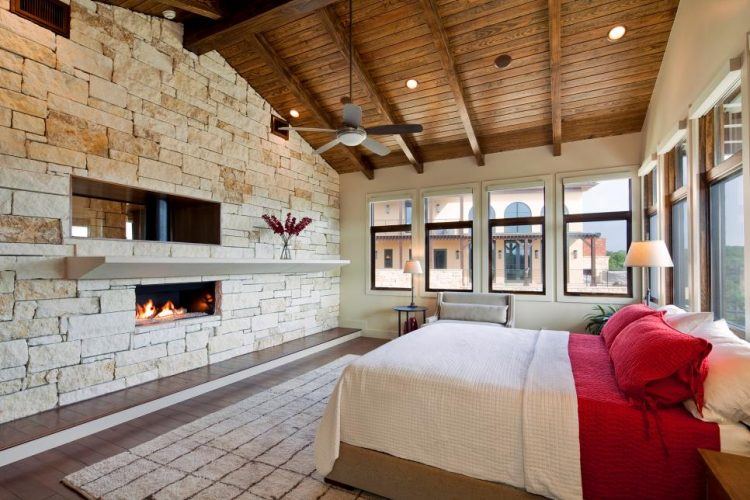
(322, 149)
(376, 147)
(352, 115)
(404, 128)
(307, 129)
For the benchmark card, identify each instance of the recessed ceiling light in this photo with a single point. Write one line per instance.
(412, 83)
(294, 113)
(503, 61)
(616, 33)
(169, 14)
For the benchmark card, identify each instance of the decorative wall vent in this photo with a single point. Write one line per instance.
(51, 14)
(276, 123)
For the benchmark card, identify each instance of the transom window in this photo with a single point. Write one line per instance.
(390, 244)
(597, 234)
(516, 240)
(449, 242)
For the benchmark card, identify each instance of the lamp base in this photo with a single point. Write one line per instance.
(647, 297)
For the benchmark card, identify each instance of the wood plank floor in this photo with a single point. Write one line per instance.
(39, 477)
(57, 419)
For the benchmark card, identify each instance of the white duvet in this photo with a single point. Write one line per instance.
(413, 397)
(493, 403)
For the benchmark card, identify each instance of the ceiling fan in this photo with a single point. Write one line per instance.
(352, 133)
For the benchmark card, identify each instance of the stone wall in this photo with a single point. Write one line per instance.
(122, 101)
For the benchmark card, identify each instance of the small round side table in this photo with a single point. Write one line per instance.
(408, 310)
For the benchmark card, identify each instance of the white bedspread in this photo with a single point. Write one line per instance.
(413, 398)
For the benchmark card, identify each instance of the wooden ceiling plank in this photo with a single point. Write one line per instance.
(282, 72)
(555, 79)
(204, 8)
(442, 45)
(254, 17)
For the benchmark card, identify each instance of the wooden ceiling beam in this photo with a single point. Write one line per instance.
(333, 27)
(281, 71)
(440, 38)
(255, 16)
(555, 78)
(203, 8)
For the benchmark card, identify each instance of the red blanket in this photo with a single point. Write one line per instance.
(620, 458)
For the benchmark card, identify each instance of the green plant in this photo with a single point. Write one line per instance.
(595, 321)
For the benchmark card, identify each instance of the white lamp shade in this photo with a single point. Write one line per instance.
(413, 267)
(648, 254)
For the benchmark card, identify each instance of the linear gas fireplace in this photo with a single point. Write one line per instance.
(171, 302)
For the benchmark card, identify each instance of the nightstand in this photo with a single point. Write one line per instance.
(727, 475)
(407, 310)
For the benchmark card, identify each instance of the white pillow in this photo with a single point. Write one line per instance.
(727, 386)
(684, 321)
(474, 312)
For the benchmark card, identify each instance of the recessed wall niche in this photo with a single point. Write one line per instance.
(107, 210)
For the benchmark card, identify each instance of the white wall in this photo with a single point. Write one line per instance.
(370, 310)
(705, 36)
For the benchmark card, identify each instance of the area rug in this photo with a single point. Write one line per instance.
(260, 447)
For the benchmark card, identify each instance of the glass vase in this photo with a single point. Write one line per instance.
(286, 252)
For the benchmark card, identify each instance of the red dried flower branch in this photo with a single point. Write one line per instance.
(289, 228)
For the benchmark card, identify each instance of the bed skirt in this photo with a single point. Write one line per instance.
(398, 479)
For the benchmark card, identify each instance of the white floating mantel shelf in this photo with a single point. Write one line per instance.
(92, 268)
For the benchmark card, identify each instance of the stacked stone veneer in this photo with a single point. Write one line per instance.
(122, 101)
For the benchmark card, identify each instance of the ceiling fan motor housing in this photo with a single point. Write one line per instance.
(351, 136)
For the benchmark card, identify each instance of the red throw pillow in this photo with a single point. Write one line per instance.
(658, 365)
(623, 318)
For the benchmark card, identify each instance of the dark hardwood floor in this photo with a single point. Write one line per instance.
(57, 419)
(38, 477)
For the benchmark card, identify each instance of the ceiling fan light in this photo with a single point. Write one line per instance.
(352, 137)
(616, 33)
(412, 83)
(294, 113)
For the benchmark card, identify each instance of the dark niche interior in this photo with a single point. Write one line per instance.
(107, 210)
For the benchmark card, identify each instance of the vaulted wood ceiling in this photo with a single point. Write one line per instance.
(566, 81)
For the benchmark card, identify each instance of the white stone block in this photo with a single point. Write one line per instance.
(182, 362)
(104, 345)
(117, 300)
(91, 392)
(197, 340)
(46, 357)
(225, 342)
(76, 377)
(263, 321)
(28, 402)
(99, 325)
(139, 355)
(62, 307)
(13, 353)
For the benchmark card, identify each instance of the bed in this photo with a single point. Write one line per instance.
(546, 418)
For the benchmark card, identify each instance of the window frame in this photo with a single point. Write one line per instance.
(370, 249)
(432, 226)
(628, 216)
(532, 220)
(672, 196)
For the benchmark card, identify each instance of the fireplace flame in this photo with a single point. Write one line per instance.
(150, 311)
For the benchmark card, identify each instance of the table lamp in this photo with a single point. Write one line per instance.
(652, 253)
(412, 267)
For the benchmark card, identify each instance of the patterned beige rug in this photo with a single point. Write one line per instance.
(261, 447)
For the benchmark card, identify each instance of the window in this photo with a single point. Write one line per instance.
(726, 231)
(680, 159)
(722, 208)
(728, 127)
(597, 234)
(440, 258)
(388, 256)
(651, 226)
(516, 262)
(676, 231)
(390, 244)
(448, 232)
(679, 244)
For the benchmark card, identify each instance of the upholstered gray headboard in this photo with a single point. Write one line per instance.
(487, 299)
